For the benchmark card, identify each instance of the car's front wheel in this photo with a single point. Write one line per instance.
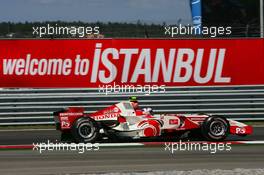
(85, 130)
(215, 128)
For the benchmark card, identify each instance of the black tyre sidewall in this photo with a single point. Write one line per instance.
(78, 138)
(206, 130)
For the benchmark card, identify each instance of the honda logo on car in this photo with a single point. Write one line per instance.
(106, 116)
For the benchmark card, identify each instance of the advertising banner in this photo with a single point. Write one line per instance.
(90, 63)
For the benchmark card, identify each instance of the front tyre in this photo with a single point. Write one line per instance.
(215, 128)
(85, 130)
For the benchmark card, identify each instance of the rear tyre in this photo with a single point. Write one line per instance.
(215, 128)
(85, 130)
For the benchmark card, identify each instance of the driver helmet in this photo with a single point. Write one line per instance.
(133, 99)
(134, 102)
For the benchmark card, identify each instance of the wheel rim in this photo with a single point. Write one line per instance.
(217, 128)
(86, 130)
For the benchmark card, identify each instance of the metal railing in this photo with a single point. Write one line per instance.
(36, 106)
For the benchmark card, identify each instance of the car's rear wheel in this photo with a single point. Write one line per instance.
(85, 130)
(215, 128)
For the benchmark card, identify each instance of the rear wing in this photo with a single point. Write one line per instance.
(65, 118)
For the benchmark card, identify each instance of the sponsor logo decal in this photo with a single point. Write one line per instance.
(65, 124)
(240, 130)
(106, 116)
(174, 121)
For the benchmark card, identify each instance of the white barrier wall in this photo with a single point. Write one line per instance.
(36, 106)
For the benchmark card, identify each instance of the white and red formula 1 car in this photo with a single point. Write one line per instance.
(122, 120)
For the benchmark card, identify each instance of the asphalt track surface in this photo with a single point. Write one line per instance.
(38, 136)
(121, 159)
(134, 159)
